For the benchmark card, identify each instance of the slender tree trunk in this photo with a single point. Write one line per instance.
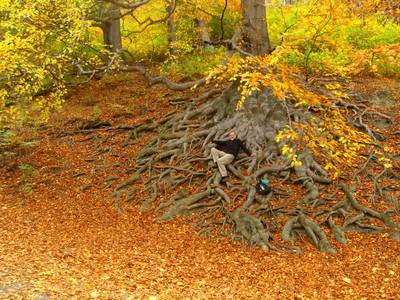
(203, 33)
(171, 28)
(112, 29)
(255, 32)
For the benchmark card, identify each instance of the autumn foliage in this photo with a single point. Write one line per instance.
(43, 41)
(109, 110)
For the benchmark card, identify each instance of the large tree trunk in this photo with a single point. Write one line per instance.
(255, 33)
(112, 29)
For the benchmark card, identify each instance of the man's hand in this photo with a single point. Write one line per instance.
(254, 153)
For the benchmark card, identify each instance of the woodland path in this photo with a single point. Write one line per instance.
(60, 241)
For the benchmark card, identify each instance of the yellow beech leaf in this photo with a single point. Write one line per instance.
(347, 279)
(94, 294)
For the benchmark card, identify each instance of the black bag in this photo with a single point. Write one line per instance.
(262, 186)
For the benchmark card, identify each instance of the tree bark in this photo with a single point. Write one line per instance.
(203, 33)
(255, 33)
(112, 29)
(171, 28)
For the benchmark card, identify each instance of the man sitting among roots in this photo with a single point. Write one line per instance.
(226, 151)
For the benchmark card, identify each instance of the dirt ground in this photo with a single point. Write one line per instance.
(61, 238)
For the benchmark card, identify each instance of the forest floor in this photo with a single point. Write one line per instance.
(62, 239)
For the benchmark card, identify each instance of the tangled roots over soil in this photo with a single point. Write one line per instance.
(177, 162)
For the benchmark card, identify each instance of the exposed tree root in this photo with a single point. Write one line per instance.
(161, 79)
(177, 161)
(251, 229)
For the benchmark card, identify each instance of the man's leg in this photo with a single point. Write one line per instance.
(215, 154)
(224, 160)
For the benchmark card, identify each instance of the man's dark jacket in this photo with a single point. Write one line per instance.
(232, 146)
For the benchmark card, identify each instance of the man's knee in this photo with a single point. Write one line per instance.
(223, 161)
(226, 160)
(214, 151)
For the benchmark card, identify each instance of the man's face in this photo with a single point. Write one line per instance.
(232, 135)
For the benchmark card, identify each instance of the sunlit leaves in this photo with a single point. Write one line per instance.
(333, 140)
(328, 135)
(40, 39)
(388, 8)
(336, 38)
(316, 41)
(382, 158)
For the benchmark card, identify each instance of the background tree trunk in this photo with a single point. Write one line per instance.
(112, 29)
(255, 33)
(205, 39)
(171, 28)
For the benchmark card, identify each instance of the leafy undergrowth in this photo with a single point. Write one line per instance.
(62, 239)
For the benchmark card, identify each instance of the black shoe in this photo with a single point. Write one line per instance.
(224, 179)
